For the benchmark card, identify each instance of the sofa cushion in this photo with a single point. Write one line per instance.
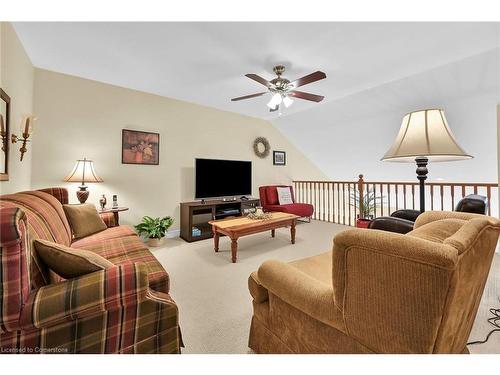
(437, 231)
(284, 195)
(304, 284)
(318, 267)
(84, 219)
(299, 209)
(130, 249)
(272, 195)
(108, 234)
(67, 262)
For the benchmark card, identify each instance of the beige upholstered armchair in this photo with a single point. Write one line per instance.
(378, 292)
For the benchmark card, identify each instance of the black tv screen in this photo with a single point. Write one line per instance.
(222, 178)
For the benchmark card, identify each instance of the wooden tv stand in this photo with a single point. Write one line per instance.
(197, 214)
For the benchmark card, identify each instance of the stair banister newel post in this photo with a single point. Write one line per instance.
(361, 194)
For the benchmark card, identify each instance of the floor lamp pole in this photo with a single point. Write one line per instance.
(422, 176)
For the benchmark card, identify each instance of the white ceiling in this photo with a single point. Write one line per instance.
(205, 63)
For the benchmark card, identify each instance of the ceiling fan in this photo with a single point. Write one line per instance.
(282, 89)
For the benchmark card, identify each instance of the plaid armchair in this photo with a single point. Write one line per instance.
(124, 309)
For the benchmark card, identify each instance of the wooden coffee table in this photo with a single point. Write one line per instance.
(238, 227)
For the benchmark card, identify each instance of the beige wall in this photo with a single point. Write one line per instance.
(16, 79)
(78, 117)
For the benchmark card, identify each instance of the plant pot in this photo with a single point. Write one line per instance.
(155, 242)
(363, 223)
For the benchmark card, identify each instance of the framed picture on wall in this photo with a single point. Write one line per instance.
(140, 147)
(279, 157)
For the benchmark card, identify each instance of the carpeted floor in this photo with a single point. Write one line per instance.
(212, 294)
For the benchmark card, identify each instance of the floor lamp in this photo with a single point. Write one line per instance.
(425, 136)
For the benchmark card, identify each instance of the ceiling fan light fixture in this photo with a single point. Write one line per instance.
(287, 101)
(275, 101)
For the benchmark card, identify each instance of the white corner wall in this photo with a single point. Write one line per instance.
(16, 79)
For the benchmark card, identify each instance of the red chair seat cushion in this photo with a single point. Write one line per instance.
(299, 209)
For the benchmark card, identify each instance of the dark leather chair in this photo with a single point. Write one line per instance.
(402, 221)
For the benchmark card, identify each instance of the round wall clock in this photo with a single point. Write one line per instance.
(261, 147)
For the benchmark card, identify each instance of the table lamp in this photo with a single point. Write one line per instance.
(83, 172)
(425, 136)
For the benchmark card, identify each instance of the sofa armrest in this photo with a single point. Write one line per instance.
(392, 224)
(257, 291)
(430, 216)
(298, 289)
(114, 288)
(108, 218)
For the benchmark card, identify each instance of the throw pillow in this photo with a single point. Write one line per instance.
(67, 262)
(284, 195)
(83, 219)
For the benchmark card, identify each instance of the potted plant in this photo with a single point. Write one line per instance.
(155, 229)
(369, 203)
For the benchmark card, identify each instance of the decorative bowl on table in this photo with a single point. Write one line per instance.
(259, 214)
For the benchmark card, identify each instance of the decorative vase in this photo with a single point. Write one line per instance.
(155, 242)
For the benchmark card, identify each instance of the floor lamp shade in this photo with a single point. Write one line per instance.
(83, 172)
(425, 136)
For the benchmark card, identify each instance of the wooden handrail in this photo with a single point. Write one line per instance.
(343, 201)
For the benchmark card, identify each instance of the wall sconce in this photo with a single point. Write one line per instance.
(26, 131)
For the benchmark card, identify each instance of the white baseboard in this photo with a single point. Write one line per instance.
(173, 233)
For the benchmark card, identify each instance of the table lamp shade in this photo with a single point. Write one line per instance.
(425, 134)
(83, 172)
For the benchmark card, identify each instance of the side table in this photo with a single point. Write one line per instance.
(114, 211)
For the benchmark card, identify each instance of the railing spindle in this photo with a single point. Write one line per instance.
(396, 186)
(338, 203)
(452, 196)
(413, 197)
(488, 195)
(441, 189)
(324, 202)
(388, 199)
(432, 196)
(381, 200)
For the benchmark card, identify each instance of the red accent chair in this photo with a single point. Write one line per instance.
(269, 201)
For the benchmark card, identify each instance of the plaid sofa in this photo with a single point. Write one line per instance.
(124, 309)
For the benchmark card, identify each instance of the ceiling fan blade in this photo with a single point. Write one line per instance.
(248, 96)
(310, 78)
(259, 79)
(306, 96)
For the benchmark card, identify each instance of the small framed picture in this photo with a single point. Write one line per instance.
(279, 157)
(140, 147)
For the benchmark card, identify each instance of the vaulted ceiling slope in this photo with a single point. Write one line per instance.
(349, 136)
(205, 63)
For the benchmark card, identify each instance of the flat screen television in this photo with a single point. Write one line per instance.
(222, 178)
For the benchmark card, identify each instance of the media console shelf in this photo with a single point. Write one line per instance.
(196, 215)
